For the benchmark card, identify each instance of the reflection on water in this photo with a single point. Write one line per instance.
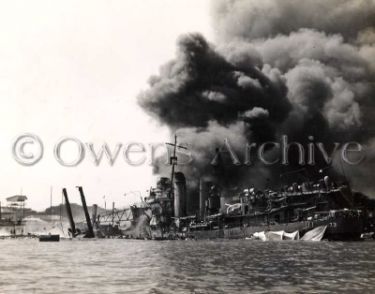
(220, 266)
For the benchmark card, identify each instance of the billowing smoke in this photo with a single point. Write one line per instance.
(300, 68)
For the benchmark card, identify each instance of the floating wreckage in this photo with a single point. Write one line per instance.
(49, 238)
(315, 235)
(275, 236)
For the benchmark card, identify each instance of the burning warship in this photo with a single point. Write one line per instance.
(249, 90)
(224, 214)
(172, 211)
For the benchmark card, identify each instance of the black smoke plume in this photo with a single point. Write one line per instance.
(276, 67)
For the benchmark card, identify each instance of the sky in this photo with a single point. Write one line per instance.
(74, 69)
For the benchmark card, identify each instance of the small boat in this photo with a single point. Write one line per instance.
(49, 238)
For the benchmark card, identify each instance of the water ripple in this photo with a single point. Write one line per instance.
(220, 266)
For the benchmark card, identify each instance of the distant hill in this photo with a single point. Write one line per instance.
(77, 211)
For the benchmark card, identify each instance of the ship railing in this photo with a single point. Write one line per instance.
(310, 192)
(213, 216)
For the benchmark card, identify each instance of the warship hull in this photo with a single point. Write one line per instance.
(339, 229)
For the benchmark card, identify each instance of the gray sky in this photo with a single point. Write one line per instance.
(74, 68)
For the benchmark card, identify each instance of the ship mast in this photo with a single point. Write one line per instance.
(173, 161)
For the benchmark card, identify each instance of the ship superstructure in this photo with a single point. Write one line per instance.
(223, 212)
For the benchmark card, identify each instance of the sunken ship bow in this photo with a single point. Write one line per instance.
(226, 214)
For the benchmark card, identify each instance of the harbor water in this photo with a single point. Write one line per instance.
(217, 266)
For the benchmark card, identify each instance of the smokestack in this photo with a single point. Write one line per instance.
(243, 206)
(90, 231)
(223, 207)
(213, 200)
(69, 213)
(179, 195)
(203, 197)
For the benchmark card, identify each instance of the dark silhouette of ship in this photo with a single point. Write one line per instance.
(210, 209)
(224, 213)
(297, 208)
